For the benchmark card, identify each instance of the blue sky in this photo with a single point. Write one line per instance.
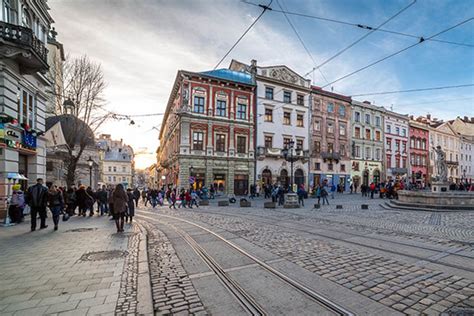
(142, 43)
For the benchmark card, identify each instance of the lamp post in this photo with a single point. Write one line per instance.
(90, 162)
(191, 169)
(69, 106)
(289, 155)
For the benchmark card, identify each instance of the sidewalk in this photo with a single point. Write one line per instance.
(76, 270)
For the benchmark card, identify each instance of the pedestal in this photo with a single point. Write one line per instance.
(439, 187)
(291, 200)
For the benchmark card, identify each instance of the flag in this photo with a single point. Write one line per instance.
(54, 136)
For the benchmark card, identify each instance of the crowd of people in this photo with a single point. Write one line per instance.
(75, 201)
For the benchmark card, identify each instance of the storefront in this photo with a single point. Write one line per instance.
(364, 172)
(219, 182)
(199, 180)
(241, 184)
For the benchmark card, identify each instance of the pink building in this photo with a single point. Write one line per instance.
(419, 152)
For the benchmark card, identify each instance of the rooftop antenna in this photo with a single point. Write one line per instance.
(332, 88)
(391, 107)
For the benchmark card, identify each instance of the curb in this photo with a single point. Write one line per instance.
(144, 292)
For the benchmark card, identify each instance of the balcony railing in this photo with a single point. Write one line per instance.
(330, 156)
(20, 37)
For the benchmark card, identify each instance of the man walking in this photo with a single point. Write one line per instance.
(36, 198)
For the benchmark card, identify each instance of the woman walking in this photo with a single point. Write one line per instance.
(131, 206)
(172, 200)
(120, 199)
(55, 204)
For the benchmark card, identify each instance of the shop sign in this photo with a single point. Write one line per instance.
(15, 139)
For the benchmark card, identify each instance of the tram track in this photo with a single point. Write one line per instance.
(245, 299)
(438, 253)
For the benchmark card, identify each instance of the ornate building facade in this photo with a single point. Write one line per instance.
(367, 143)
(207, 136)
(419, 135)
(396, 146)
(330, 132)
(282, 117)
(115, 162)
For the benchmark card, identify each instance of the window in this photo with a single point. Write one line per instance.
(423, 144)
(357, 151)
(221, 108)
(300, 99)
(269, 93)
(377, 121)
(287, 96)
(367, 153)
(26, 22)
(357, 132)
(268, 115)
(389, 129)
(10, 12)
(330, 128)
(397, 162)
(110, 168)
(317, 147)
(115, 169)
(343, 168)
(26, 109)
(389, 144)
(330, 148)
(317, 166)
(241, 144)
(397, 130)
(342, 149)
(368, 134)
(412, 142)
(124, 179)
(110, 178)
(389, 161)
(242, 111)
(330, 167)
(404, 147)
(342, 129)
(367, 118)
(404, 132)
(377, 135)
(300, 120)
(286, 142)
(220, 142)
(330, 107)
(317, 125)
(115, 179)
(404, 162)
(418, 143)
(268, 141)
(198, 104)
(124, 169)
(342, 111)
(287, 118)
(377, 154)
(397, 145)
(357, 116)
(299, 144)
(198, 140)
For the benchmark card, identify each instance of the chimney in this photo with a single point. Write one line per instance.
(466, 119)
(253, 70)
(366, 102)
(472, 119)
(428, 116)
(411, 117)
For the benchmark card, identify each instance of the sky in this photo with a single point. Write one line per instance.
(141, 44)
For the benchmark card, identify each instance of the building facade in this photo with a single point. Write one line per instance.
(207, 135)
(24, 27)
(396, 146)
(464, 127)
(330, 131)
(116, 162)
(367, 143)
(419, 153)
(282, 118)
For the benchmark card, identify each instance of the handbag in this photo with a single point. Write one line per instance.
(26, 210)
(65, 217)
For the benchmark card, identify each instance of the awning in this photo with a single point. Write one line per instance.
(16, 176)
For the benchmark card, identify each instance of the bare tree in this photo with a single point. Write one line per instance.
(81, 81)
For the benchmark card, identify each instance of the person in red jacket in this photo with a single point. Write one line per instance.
(372, 190)
(187, 197)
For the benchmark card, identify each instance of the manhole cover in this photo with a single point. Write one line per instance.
(103, 255)
(80, 230)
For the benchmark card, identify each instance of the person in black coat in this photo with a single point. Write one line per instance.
(36, 198)
(130, 206)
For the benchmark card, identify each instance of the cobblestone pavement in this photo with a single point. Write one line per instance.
(397, 283)
(74, 271)
(173, 292)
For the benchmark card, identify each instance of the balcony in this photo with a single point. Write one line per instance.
(19, 43)
(330, 156)
(452, 163)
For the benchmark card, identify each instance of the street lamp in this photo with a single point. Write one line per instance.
(69, 106)
(90, 162)
(289, 155)
(191, 169)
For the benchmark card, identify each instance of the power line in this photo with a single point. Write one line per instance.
(301, 41)
(372, 30)
(414, 90)
(362, 26)
(265, 8)
(397, 52)
(437, 101)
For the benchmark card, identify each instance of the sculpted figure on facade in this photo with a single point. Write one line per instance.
(440, 162)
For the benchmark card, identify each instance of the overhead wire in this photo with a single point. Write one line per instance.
(265, 8)
(422, 39)
(413, 90)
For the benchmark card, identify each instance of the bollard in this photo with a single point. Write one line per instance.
(223, 203)
(317, 205)
(269, 205)
(339, 207)
(365, 206)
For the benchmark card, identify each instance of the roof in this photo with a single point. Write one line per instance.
(230, 75)
(319, 90)
(74, 129)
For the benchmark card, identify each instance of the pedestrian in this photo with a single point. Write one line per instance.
(194, 198)
(182, 199)
(81, 199)
(102, 200)
(172, 200)
(318, 193)
(333, 190)
(120, 199)
(17, 203)
(90, 201)
(37, 198)
(351, 188)
(372, 190)
(324, 195)
(130, 206)
(111, 205)
(55, 204)
(136, 196)
(281, 196)
(301, 193)
(187, 197)
(144, 196)
(70, 201)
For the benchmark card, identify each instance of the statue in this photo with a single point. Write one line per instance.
(440, 163)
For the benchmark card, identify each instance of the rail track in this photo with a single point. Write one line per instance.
(245, 299)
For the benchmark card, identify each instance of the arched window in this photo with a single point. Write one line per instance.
(299, 177)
